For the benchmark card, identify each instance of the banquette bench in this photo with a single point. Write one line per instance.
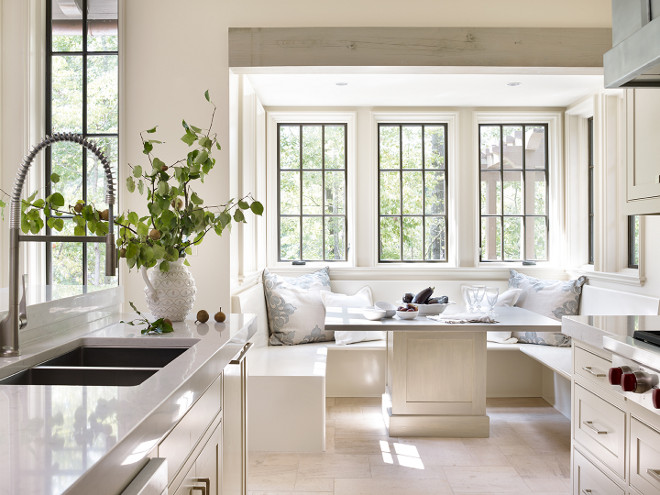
(288, 384)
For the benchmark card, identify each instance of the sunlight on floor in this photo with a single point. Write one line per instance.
(406, 455)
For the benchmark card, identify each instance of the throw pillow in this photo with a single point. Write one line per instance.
(551, 298)
(296, 314)
(506, 298)
(361, 299)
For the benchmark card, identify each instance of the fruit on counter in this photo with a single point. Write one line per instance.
(408, 307)
(220, 316)
(423, 296)
(202, 316)
(408, 297)
(438, 300)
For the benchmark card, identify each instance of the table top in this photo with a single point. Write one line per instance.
(506, 317)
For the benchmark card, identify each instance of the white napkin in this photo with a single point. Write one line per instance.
(463, 318)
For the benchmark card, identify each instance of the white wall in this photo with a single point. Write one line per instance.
(175, 50)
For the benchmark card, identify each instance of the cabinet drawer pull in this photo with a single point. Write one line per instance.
(586, 491)
(597, 374)
(241, 355)
(590, 424)
(206, 489)
(654, 473)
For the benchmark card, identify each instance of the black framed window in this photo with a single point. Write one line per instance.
(633, 241)
(513, 176)
(82, 96)
(311, 170)
(412, 192)
(590, 166)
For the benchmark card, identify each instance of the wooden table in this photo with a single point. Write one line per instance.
(436, 371)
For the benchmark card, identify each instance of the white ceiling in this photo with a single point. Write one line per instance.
(423, 89)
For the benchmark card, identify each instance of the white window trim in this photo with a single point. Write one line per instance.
(556, 194)
(451, 140)
(303, 117)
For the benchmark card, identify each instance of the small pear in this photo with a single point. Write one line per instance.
(220, 316)
(154, 234)
(202, 316)
(104, 215)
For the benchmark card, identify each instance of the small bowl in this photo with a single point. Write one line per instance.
(390, 309)
(373, 313)
(432, 309)
(407, 315)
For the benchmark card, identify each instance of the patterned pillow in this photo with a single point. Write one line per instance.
(551, 298)
(296, 314)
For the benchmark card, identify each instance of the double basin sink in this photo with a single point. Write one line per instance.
(98, 365)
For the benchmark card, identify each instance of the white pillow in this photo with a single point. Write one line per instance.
(361, 299)
(509, 297)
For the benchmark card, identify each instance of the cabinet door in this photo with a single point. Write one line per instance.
(588, 479)
(203, 477)
(643, 151)
(644, 458)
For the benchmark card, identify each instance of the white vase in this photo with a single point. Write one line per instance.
(170, 294)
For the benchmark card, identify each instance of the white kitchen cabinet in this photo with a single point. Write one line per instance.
(643, 151)
(644, 458)
(204, 475)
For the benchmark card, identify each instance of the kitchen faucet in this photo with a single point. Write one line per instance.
(16, 319)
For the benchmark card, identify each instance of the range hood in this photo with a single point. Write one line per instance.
(634, 60)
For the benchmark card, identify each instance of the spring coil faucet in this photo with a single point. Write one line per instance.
(16, 319)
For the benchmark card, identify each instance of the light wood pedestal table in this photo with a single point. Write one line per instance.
(436, 371)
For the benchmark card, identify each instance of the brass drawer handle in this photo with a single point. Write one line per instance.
(241, 355)
(586, 491)
(206, 489)
(597, 374)
(590, 424)
(654, 473)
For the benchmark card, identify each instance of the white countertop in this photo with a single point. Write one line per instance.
(84, 440)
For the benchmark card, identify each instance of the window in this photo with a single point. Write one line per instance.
(513, 172)
(412, 192)
(590, 165)
(81, 97)
(311, 170)
(633, 241)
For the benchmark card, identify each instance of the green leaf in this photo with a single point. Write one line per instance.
(152, 130)
(133, 218)
(142, 230)
(185, 125)
(58, 224)
(54, 178)
(163, 188)
(189, 138)
(140, 186)
(137, 171)
(185, 262)
(206, 95)
(158, 164)
(79, 221)
(225, 219)
(202, 157)
(164, 266)
(238, 216)
(148, 147)
(188, 250)
(132, 250)
(130, 184)
(78, 230)
(195, 129)
(39, 203)
(205, 142)
(243, 205)
(217, 145)
(196, 199)
(257, 208)
(56, 199)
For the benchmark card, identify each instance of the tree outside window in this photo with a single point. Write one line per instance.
(312, 192)
(513, 172)
(81, 97)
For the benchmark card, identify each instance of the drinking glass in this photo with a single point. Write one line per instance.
(468, 297)
(479, 292)
(492, 293)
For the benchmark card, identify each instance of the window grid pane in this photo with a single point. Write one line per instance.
(81, 97)
(513, 170)
(412, 192)
(311, 161)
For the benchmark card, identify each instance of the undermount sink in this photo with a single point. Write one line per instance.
(117, 377)
(117, 357)
(98, 365)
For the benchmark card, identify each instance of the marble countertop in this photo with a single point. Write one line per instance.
(82, 440)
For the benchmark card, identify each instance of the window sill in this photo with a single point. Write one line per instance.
(628, 276)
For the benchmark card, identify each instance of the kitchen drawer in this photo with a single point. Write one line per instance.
(588, 479)
(644, 458)
(178, 444)
(601, 428)
(592, 367)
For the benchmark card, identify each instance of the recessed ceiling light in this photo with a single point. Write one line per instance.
(514, 83)
(342, 83)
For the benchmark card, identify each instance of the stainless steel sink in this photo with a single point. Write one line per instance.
(118, 377)
(117, 357)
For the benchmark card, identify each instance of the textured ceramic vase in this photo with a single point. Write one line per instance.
(170, 294)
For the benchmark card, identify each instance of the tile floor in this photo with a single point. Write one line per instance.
(528, 452)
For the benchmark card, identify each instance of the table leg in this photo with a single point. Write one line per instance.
(436, 384)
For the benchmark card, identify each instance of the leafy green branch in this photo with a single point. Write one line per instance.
(159, 326)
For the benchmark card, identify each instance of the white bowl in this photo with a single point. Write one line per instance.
(432, 309)
(373, 313)
(407, 315)
(390, 309)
